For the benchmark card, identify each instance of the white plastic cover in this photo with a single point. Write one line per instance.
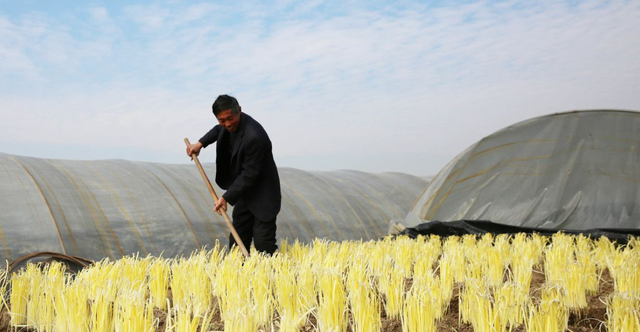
(110, 208)
(576, 170)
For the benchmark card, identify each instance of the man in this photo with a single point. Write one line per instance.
(246, 170)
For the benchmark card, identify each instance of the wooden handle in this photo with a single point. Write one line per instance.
(234, 233)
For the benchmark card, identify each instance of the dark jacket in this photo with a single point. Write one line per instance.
(247, 170)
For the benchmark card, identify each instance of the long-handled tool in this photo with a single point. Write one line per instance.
(215, 200)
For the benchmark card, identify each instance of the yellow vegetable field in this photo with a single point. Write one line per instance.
(486, 284)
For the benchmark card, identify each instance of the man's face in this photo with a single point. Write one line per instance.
(229, 120)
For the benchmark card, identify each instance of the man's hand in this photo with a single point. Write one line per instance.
(221, 205)
(194, 149)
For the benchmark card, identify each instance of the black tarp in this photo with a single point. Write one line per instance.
(480, 227)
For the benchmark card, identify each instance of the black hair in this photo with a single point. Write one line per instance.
(225, 102)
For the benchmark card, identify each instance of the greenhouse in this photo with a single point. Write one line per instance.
(567, 171)
(112, 208)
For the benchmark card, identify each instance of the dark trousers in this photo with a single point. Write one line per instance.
(248, 227)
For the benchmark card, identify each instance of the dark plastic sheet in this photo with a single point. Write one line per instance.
(480, 227)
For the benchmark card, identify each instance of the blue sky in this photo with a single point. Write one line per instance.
(383, 86)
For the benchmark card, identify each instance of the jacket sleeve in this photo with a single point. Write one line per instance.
(211, 136)
(254, 154)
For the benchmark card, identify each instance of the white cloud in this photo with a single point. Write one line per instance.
(195, 12)
(100, 15)
(149, 17)
(12, 57)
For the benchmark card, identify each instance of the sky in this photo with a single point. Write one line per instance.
(374, 86)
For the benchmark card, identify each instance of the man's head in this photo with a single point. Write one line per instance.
(227, 110)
